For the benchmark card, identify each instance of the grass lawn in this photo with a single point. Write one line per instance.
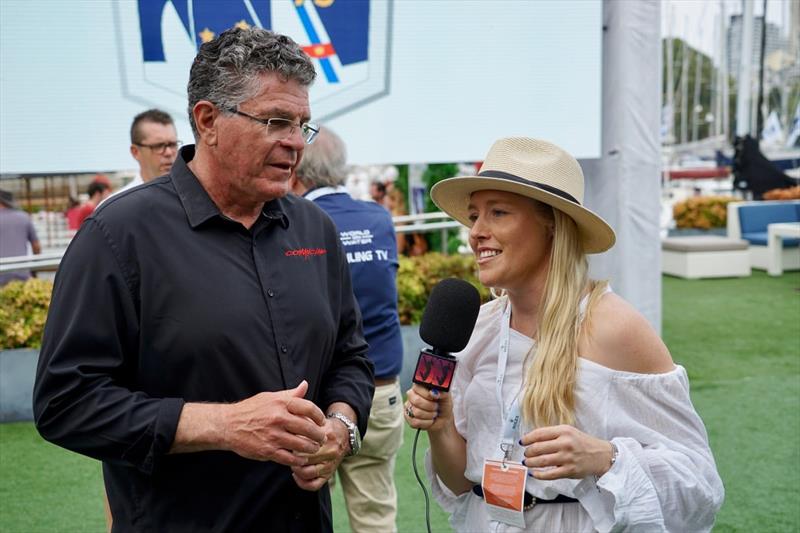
(738, 338)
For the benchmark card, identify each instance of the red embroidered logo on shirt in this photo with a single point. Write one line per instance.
(305, 253)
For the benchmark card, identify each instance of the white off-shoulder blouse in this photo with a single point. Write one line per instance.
(664, 478)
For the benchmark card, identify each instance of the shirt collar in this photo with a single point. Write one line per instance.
(198, 204)
(317, 192)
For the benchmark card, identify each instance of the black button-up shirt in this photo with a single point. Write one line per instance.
(160, 300)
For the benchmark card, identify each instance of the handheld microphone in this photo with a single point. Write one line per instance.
(447, 323)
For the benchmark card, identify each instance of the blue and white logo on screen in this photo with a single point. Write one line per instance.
(347, 39)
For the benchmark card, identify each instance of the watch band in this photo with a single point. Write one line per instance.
(352, 430)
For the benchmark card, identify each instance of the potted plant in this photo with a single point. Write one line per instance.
(23, 311)
(701, 215)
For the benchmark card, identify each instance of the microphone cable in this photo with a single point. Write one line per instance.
(421, 483)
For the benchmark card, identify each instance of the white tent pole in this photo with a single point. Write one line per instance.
(624, 186)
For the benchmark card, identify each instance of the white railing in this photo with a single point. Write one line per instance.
(31, 262)
(419, 224)
(402, 224)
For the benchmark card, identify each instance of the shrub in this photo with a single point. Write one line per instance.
(418, 275)
(23, 311)
(23, 305)
(703, 212)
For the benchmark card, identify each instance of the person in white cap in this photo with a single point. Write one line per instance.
(566, 411)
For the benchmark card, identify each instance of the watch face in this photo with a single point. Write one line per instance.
(355, 443)
(352, 429)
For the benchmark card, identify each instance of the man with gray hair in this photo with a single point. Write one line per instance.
(211, 354)
(368, 237)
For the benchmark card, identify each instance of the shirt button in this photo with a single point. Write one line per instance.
(284, 349)
(270, 292)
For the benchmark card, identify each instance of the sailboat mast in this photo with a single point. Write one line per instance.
(684, 89)
(759, 107)
(745, 64)
(723, 69)
(698, 83)
(670, 82)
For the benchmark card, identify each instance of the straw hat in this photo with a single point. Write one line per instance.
(532, 168)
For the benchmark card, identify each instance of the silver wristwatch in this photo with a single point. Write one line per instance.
(352, 429)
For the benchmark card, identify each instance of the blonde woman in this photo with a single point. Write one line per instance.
(566, 412)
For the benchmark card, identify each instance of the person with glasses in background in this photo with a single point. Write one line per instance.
(203, 340)
(154, 145)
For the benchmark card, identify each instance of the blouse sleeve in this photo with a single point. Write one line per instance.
(664, 478)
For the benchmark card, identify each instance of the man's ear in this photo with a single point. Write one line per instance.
(135, 151)
(205, 119)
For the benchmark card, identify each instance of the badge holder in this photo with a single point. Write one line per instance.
(504, 491)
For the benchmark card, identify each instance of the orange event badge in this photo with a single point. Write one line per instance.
(504, 491)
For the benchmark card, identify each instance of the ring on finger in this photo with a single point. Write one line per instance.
(409, 411)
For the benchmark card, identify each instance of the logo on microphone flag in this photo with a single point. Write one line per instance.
(348, 41)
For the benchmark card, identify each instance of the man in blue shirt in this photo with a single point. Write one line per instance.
(368, 237)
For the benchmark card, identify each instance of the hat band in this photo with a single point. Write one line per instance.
(543, 186)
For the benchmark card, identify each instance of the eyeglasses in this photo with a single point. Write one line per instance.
(160, 148)
(281, 128)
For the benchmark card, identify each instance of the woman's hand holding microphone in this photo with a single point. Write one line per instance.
(428, 409)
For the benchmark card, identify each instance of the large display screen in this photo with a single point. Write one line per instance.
(401, 81)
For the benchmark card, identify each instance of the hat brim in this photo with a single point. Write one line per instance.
(452, 195)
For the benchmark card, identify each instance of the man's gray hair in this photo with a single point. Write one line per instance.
(226, 69)
(324, 161)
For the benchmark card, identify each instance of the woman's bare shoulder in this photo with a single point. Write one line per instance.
(617, 336)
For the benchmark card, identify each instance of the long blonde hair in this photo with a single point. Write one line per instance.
(551, 364)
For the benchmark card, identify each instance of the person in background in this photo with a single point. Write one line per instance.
(72, 213)
(154, 145)
(210, 352)
(377, 191)
(562, 379)
(98, 191)
(367, 235)
(396, 206)
(16, 232)
(408, 244)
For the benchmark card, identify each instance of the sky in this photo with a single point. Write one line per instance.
(696, 20)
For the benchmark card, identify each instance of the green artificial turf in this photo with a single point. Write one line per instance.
(44, 488)
(410, 499)
(739, 340)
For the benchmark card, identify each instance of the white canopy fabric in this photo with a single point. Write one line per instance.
(623, 186)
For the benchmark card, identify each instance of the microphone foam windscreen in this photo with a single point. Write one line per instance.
(450, 315)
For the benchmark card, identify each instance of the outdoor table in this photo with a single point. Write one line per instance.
(775, 234)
